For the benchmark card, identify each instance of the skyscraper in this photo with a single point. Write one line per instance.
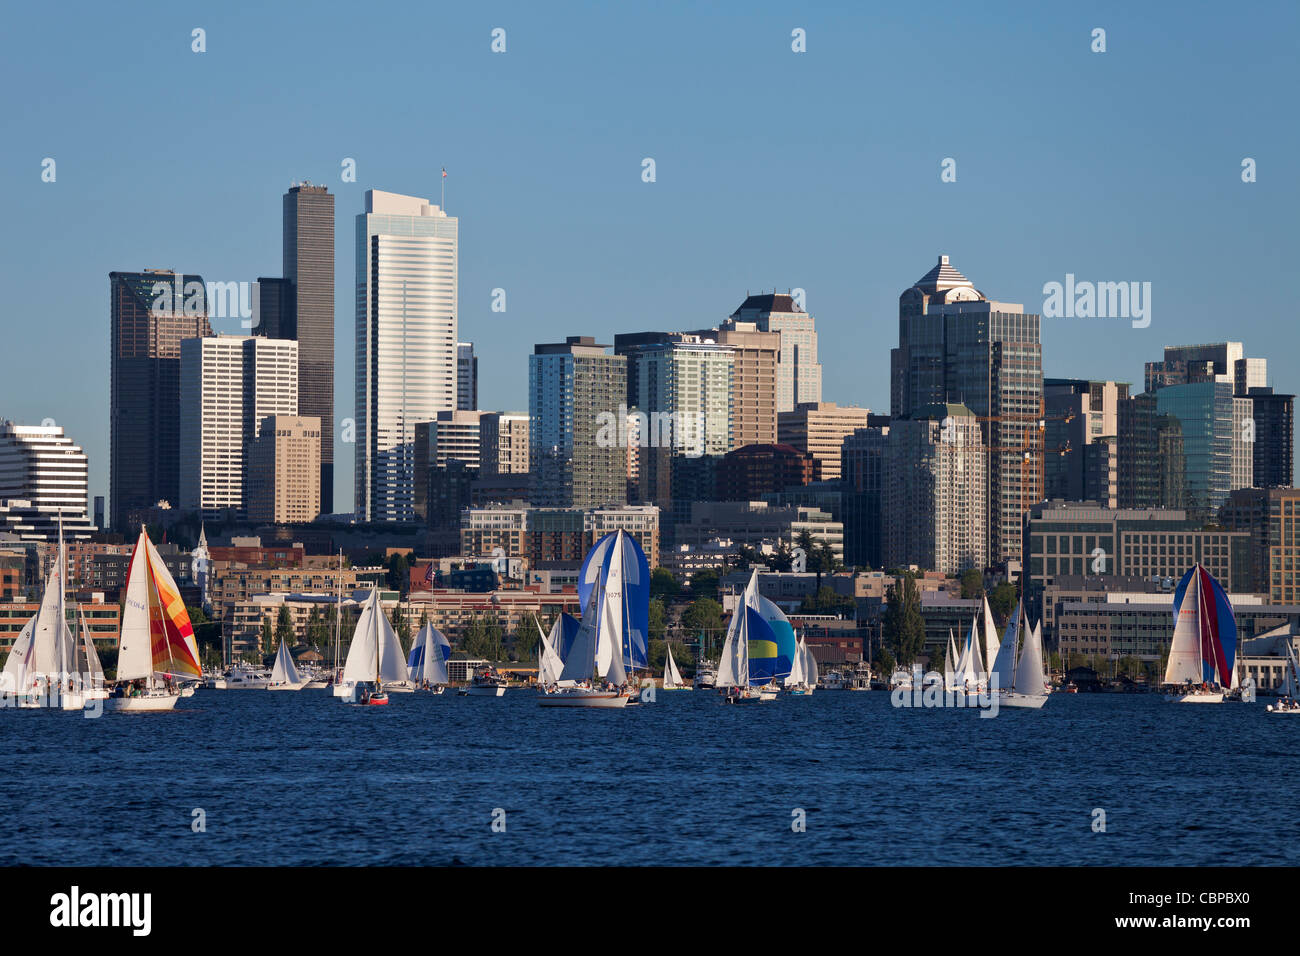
(503, 443)
(1079, 414)
(1149, 460)
(957, 346)
(407, 263)
(1274, 417)
(466, 377)
(819, 429)
(578, 452)
(40, 464)
(798, 373)
(1205, 411)
(862, 481)
(308, 241)
(753, 380)
(282, 471)
(151, 312)
(934, 495)
(230, 385)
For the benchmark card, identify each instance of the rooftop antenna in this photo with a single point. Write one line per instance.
(444, 189)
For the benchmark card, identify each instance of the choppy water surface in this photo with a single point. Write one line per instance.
(300, 778)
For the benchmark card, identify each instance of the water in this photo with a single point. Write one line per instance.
(300, 778)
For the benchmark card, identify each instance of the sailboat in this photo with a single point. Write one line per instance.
(1288, 703)
(19, 679)
(87, 672)
(750, 652)
(157, 639)
(949, 658)
(802, 679)
(595, 662)
(1204, 643)
(374, 656)
(1022, 681)
(284, 675)
(672, 676)
(991, 642)
(427, 664)
(617, 556)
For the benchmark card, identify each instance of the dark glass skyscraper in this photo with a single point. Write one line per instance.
(1274, 438)
(151, 313)
(308, 313)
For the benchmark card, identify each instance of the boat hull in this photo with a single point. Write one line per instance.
(473, 691)
(608, 700)
(1214, 697)
(152, 703)
(1023, 701)
(285, 686)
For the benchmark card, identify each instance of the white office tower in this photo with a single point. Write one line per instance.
(43, 468)
(407, 303)
(229, 384)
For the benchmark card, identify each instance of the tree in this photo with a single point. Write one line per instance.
(781, 559)
(482, 638)
(884, 662)
(904, 628)
(972, 583)
(399, 575)
(267, 637)
(656, 620)
(828, 601)
(704, 583)
(283, 628)
(704, 617)
(657, 656)
(402, 625)
(1002, 601)
(663, 584)
(317, 633)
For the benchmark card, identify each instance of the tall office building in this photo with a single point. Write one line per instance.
(1205, 409)
(407, 254)
(42, 465)
(681, 384)
(753, 380)
(935, 492)
(466, 377)
(798, 373)
(283, 470)
(819, 429)
(576, 389)
(1242, 472)
(957, 346)
(308, 247)
(1149, 456)
(151, 313)
(1218, 361)
(862, 482)
(230, 385)
(1271, 516)
(503, 443)
(1273, 451)
(1079, 414)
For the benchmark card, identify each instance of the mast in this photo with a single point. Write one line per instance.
(338, 615)
(63, 618)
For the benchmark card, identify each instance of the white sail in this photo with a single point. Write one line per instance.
(284, 671)
(1185, 648)
(809, 666)
(733, 669)
(135, 650)
(949, 662)
(392, 662)
(360, 664)
(611, 633)
(976, 657)
(437, 649)
(990, 636)
(581, 663)
(1290, 673)
(796, 675)
(52, 639)
(672, 677)
(19, 663)
(1029, 668)
(89, 656)
(1004, 664)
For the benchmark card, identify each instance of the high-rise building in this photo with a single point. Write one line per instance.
(1271, 519)
(798, 373)
(503, 443)
(151, 313)
(819, 429)
(934, 500)
(1274, 438)
(1242, 473)
(862, 479)
(749, 473)
(1078, 413)
(1205, 410)
(681, 385)
(753, 380)
(283, 470)
(577, 395)
(407, 254)
(453, 436)
(1149, 458)
(230, 385)
(42, 465)
(957, 346)
(1219, 361)
(308, 246)
(466, 377)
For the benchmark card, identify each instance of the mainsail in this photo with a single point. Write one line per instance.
(19, 663)
(1029, 668)
(672, 677)
(580, 665)
(1004, 664)
(156, 635)
(284, 671)
(809, 664)
(375, 652)
(990, 635)
(550, 665)
(796, 675)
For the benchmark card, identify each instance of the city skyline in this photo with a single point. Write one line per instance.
(1080, 210)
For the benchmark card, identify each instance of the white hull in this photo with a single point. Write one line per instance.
(584, 698)
(345, 690)
(1274, 709)
(148, 704)
(285, 686)
(402, 688)
(676, 687)
(318, 684)
(1025, 701)
(476, 691)
(1214, 697)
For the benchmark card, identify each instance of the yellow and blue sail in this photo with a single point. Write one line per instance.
(771, 642)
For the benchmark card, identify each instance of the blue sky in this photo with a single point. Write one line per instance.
(817, 170)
